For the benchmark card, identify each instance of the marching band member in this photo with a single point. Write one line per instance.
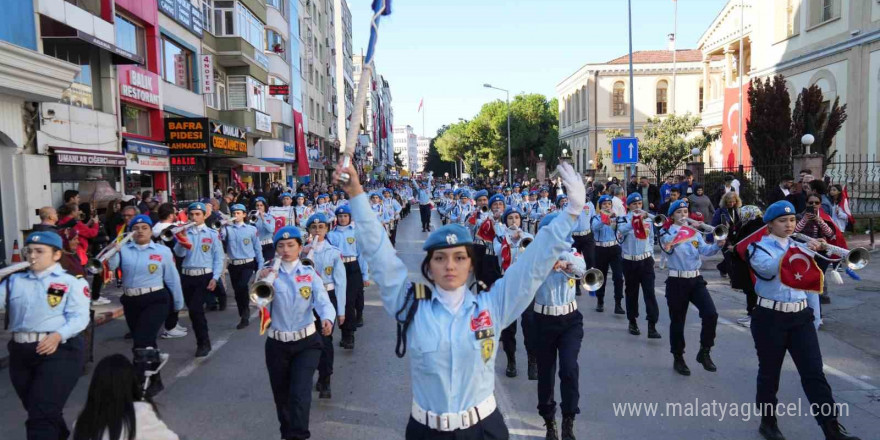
(583, 238)
(293, 348)
(384, 216)
(462, 209)
(245, 257)
(284, 215)
(393, 208)
(638, 265)
(202, 266)
(509, 246)
(424, 198)
(301, 211)
(559, 331)
(324, 207)
(447, 324)
(265, 228)
(343, 236)
(328, 262)
(608, 254)
(148, 274)
(444, 206)
(786, 319)
(46, 310)
(685, 285)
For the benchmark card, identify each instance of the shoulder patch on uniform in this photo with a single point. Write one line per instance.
(422, 291)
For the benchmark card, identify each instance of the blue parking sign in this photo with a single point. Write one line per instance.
(624, 150)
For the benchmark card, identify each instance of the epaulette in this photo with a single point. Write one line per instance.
(421, 291)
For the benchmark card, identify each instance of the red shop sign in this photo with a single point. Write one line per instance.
(139, 86)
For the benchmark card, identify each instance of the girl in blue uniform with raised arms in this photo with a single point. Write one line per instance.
(265, 225)
(448, 325)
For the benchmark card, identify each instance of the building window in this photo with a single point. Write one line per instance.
(82, 92)
(277, 4)
(224, 18)
(701, 93)
(619, 99)
(176, 64)
(217, 100)
(823, 10)
(130, 36)
(250, 28)
(135, 120)
(276, 44)
(208, 16)
(662, 88)
(246, 92)
(787, 19)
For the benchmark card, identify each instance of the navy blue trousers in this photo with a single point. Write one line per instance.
(776, 333)
(679, 293)
(145, 314)
(558, 336)
(291, 366)
(610, 257)
(325, 365)
(43, 383)
(640, 274)
(508, 335)
(354, 295)
(490, 428)
(195, 290)
(240, 276)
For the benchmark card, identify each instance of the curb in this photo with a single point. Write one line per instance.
(100, 319)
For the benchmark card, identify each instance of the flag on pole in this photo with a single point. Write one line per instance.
(421, 102)
(844, 205)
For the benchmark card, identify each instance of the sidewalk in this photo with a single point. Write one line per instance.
(103, 314)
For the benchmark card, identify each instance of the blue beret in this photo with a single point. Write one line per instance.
(344, 209)
(140, 219)
(481, 193)
(317, 218)
(456, 192)
(676, 205)
(547, 219)
(386, 190)
(237, 207)
(298, 195)
(634, 197)
(509, 211)
(516, 185)
(545, 189)
(778, 209)
(260, 199)
(205, 200)
(286, 233)
(375, 194)
(560, 197)
(497, 186)
(323, 196)
(196, 206)
(533, 193)
(525, 193)
(283, 195)
(465, 193)
(496, 198)
(605, 198)
(448, 236)
(49, 238)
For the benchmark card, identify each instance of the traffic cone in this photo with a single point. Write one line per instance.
(16, 255)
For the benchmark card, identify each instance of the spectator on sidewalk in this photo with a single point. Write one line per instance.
(48, 220)
(730, 184)
(666, 187)
(70, 215)
(650, 194)
(839, 213)
(71, 196)
(727, 214)
(144, 205)
(687, 185)
(812, 224)
(674, 194)
(700, 203)
(633, 184)
(116, 408)
(618, 205)
(782, 191)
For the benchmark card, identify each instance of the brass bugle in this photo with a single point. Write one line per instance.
(307, 262)
(169, 233)
(11, 269)
(718, 232)
(525, 242)
(96, 265)
(253, 216)
(657, 220)
(590, 280)
(262, 292)
(855, 259)
(484, 209)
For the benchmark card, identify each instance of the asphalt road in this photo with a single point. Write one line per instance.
(227, 395)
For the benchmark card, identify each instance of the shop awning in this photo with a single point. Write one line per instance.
(88, 158)
(250, 164)
(118, 55)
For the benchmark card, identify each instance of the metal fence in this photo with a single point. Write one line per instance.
(860, 174)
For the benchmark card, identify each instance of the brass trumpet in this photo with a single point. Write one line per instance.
(254, 216)
(262, 292)
(96, 265)
(169, 233)
(224, 220)
(657, 220)
(590, 280)
(719, 232)
(11, 269)
(855, 259)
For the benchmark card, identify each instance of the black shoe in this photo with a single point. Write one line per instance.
(550, 423)
(578, 293)
(347, 342)
(704, 358)
(680, 367)
(769, 429)
(360, 322)
(652, 331)
(533, 367)
(242, 324)
(319, 385)
(618, 310)
(324, 392)
(824, 299)
(203, 349)
(634, 328)
(835, 431)
(511, 367)
(600, 306)
(127, 336)
(155, 386)
(568, 428)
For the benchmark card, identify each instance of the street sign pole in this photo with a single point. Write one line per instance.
(632, 86)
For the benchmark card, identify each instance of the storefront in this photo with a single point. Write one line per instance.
(208, 141)
(84, 170)
(146, 167)
(281, 154)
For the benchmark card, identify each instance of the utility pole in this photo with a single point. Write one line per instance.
(632, 86)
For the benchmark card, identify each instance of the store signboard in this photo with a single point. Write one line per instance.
(187, 135)
(228, 140)
(146, 163)
(185, 13)
(264, 122)
(206, 70)
(139, 86)
(188, 164)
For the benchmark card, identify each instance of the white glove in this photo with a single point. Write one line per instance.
(574, 188)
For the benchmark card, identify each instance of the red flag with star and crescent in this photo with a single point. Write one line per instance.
(684, 234)
(799, 270)
(639, 229)
(265, 319)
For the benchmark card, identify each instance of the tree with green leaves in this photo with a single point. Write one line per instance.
(813, 115)
(434, 161)
(667, 142)
(768, 128)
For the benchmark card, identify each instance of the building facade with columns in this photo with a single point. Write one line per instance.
(596, 98)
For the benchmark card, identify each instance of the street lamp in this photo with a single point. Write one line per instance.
(695, 152)
(590, 162)
(807, 140)
(489, 86)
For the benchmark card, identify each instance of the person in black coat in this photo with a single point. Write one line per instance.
(650, 193)
(781, 191)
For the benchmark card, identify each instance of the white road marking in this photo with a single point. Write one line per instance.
(215, 347)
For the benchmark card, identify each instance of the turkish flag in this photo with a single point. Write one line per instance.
(506, 257)
(731, 135)
(265, 319)
(486, 232)
(606, 219)
(742, 247)
(639, 228)
(302, 157)
(684, 234)
(799, 270)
